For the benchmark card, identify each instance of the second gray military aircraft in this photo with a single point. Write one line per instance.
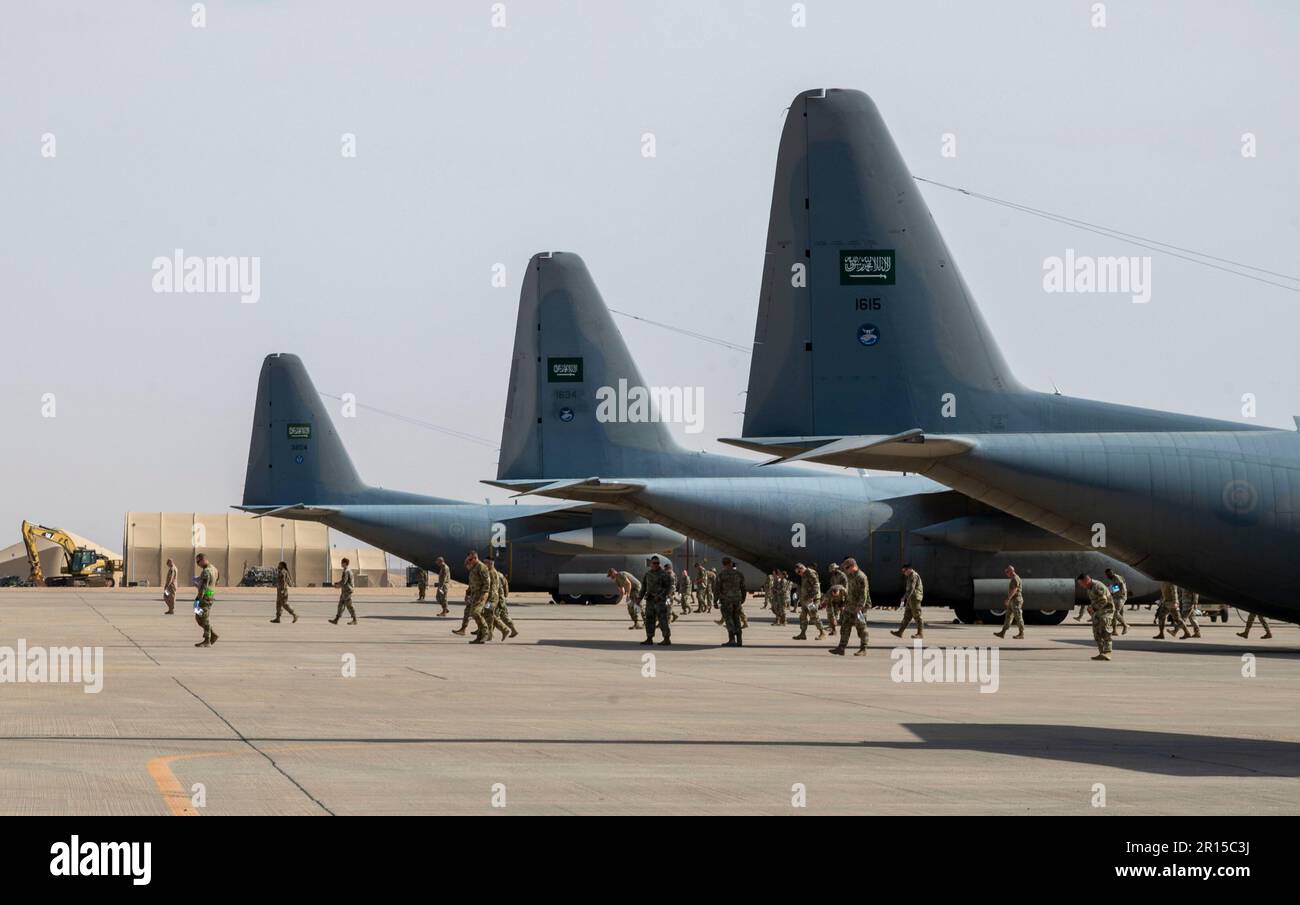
(582, 424)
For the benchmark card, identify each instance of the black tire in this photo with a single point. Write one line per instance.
(600, 598)
(965, 613)
(1045, 617)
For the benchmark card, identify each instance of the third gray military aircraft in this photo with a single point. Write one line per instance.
(299, 469)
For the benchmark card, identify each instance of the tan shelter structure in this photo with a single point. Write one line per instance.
(13, 559)
(233, 542)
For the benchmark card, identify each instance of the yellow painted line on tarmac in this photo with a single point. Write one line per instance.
(175, 796)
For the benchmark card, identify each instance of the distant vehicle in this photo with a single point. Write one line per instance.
(258, 577)
(1212, 611)
(10, 581)
(412, 576)
(82, 566)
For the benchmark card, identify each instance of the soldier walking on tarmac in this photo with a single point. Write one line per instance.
(1119, 591)
(345, 595)
(283, 581)
(480, 582)
(1015, 604)
(810, 598)
(913, 594)
(731, 596)
(207, 584)
(440, 589)
(1100, 606)
(169, 588)
(853, 615)
(656, 592)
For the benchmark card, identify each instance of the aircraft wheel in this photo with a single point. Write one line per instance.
(1045, 617)
(965, 613)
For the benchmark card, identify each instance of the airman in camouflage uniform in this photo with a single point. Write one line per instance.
(810, 598)
(499, 594)
(440, 589)
(656, 592)
(1188, 601)
(1250, 620)
(1100, 608)
(913, 595)
(345, 595)
(421, 583)
(701, 588)
(780, 598)
(282, 582)
(857, 600)
(836, 581)
(1116, 580)
(480, 583)
(207, 586)
(1169, 610)
(668, 567)
(629, 593)
(1015, 605)
(731, 596)
(493, 596)
(684, 588)
(169, 587)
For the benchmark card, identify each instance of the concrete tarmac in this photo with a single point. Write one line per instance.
(570, 718)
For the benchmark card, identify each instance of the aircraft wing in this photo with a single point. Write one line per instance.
(911, 450)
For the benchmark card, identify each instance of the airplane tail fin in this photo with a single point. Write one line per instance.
(295, 456)
(865, 325)
(571, 381)
(863, 317)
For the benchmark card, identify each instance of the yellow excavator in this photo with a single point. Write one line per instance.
(83, 566)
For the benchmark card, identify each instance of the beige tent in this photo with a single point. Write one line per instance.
(369, 567)
(232, 541)
(13, 559)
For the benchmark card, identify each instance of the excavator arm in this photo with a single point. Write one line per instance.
(30, 533)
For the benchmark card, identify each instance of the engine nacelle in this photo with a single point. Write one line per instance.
(1039, 593)
(994, 533)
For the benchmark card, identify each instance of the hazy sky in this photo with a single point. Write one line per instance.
(477, 145)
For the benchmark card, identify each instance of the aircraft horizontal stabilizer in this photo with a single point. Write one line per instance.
(296, 511)
(590, 489)
(907, 451)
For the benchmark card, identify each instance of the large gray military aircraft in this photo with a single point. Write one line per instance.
(582, 424)
(299, 469)
(880, 359)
